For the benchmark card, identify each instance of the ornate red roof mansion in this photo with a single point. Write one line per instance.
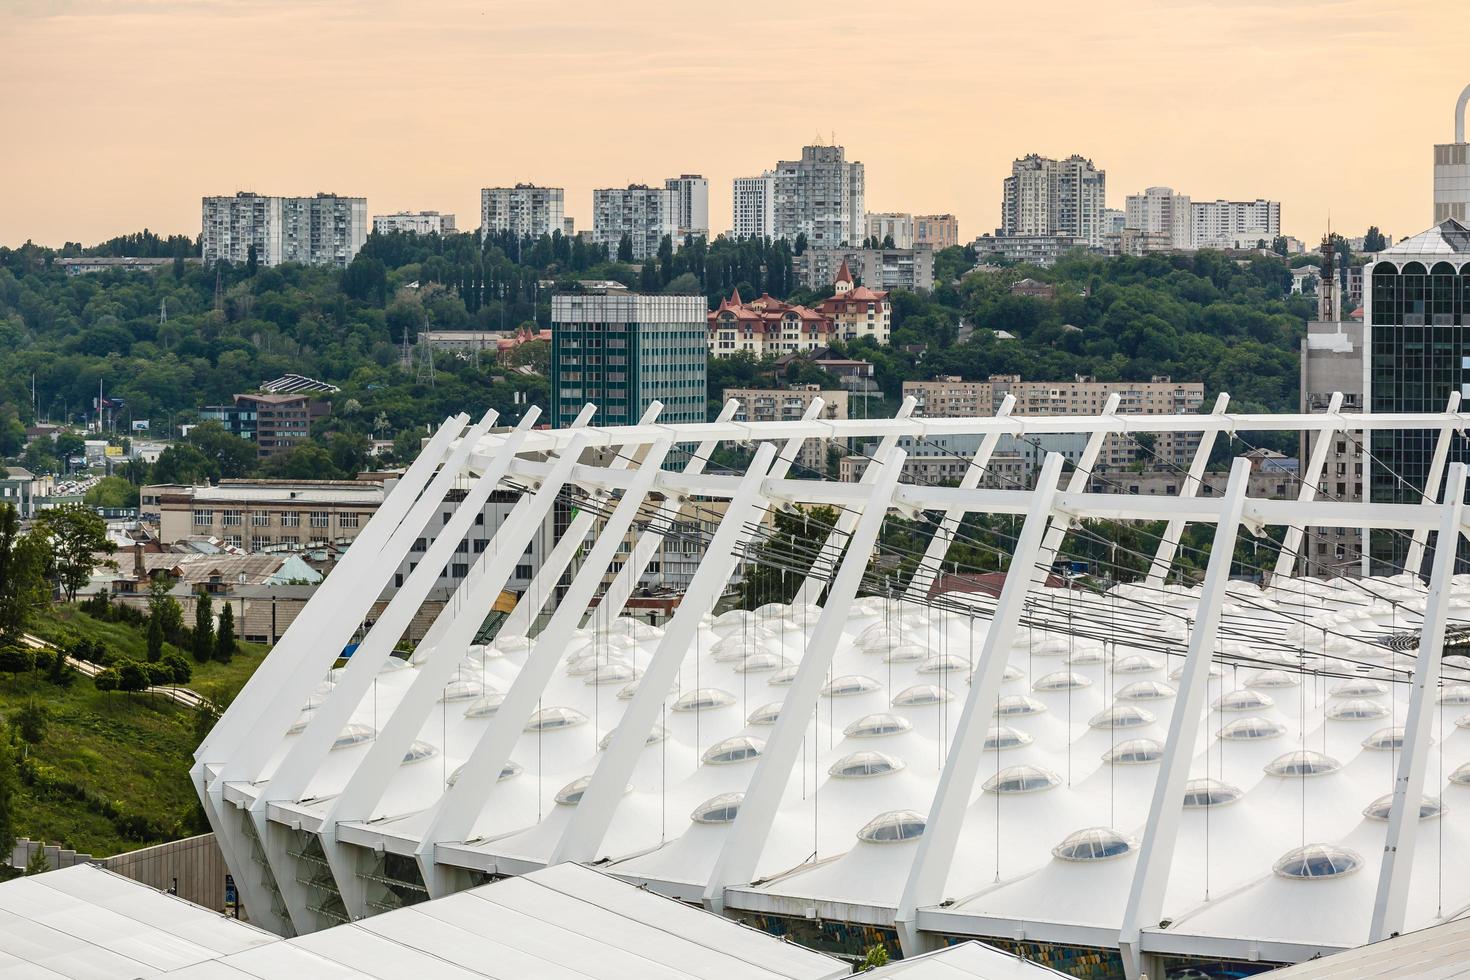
(857, 311)
(766, 326)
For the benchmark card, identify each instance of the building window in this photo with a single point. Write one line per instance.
(260, 519)
(232, 541)
(524, 572)
(348, 520)
(259, 542)
(290, 518)
(459, 569)
(230, 518)
(321, 518)
(203, 518)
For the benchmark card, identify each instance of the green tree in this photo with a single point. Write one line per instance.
(203, 628)
(1373, 240)
(306, 461)
(232, 457)
(252, 262)
(78, 539)
(625, 248)
(22, 575)
(17, 660)
(107, 679)
(875, 957)
(184, 464)
(31, 720)
(132, 677)
(224, 643)
(112, 491)
(648, 281)
(9, 792)
(155, 637)
(179, 670)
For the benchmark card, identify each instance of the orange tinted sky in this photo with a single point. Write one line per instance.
(120, 114)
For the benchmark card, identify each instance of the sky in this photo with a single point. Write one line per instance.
(121, 114)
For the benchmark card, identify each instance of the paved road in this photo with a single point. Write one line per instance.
(181, 695)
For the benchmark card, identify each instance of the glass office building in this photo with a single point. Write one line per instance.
(1417, 307)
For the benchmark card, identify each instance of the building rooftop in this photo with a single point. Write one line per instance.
(297, 384)
(1449, 237)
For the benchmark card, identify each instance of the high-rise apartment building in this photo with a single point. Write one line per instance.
(1452, 170)
(936, 230)
(321, 230)
(1160, 211)
(1046, 197)
(525, 210)
(691, 205)
(622, 350)
(819, 196)
(645, 214)
(892, 229)
(1235, 224)
(753, 212)
(1416, 306)
(414, 223)
(877, 268)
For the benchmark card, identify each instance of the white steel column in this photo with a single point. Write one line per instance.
(930, 565)
(815, 582)
(742, 847)
(584, 833)
(1077, 483)
(518, 621)
(1415, 559)
(1174, 533)
(1408, 786)
(930, 870)
(1311, 479)
(610, 606)
(474, 791)
(1151, 874)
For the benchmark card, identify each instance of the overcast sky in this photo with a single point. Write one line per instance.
(120, 114)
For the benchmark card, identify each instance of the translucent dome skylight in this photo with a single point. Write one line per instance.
(1135, 752)
(892, 827)
(392, 664)
(462, 690)
(1318, 861)
(1145, 691)
(739, 748)
(302, 720)
(1214, 671)
(1086, 657)
(418, 751)
(849, 686)
(1455, 694)
(756, 663)
(877, 725)
(702, 699)
(766, 714)
(1005, 737)
(1461, 776)
(1022, 779)
(718, 809)
(485, 707)
(1251, 729)
(784, 676)
(1356, 687)
(944, 663)
(590, 662)
(555, 719)
(1243, 701)
(1385, 739)
(1061, 680)
(1093, 844)
(1302, 763)
(1429, 807)
(920, 695)
(1135, 663)
(1272, 679)
(861, 765)
(1358, 709)
(1012, 673)
(508, 770)
(1122, 716)
(612, 674)
(655, 735)
(1202, 793)
(354, 735)
(905, 653)
(571, 793)
(1018, 706)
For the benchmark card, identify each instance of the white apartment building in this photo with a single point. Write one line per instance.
(691, 204)
(645, 214)
(1046, 197)
(1160, 211)
(414, 223)
(525, 210)
(819, 196)
(321, 230)
(754, 206)
(1235, 224)
(1452, 170)
(891, 224)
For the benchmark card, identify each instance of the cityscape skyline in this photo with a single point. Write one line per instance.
(347, 128)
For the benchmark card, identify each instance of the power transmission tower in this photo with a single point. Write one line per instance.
(426, 364)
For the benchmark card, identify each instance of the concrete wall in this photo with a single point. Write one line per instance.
(193, 868)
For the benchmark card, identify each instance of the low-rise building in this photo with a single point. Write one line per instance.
(857, 311)
(274, 422)
(766, 327)
(1034, 288)
(20, 488)
(1036, 249)
(414, 223)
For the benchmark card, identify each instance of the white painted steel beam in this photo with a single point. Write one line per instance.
(742, 847)
(1174, 532)
(932, 563)
(1392, 896)
(1415, 558)
(585, 831)
(826, 560)
(1311, 479)
(936, 850)
(1151, 873)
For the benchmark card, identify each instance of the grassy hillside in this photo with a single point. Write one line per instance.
(111, 773)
